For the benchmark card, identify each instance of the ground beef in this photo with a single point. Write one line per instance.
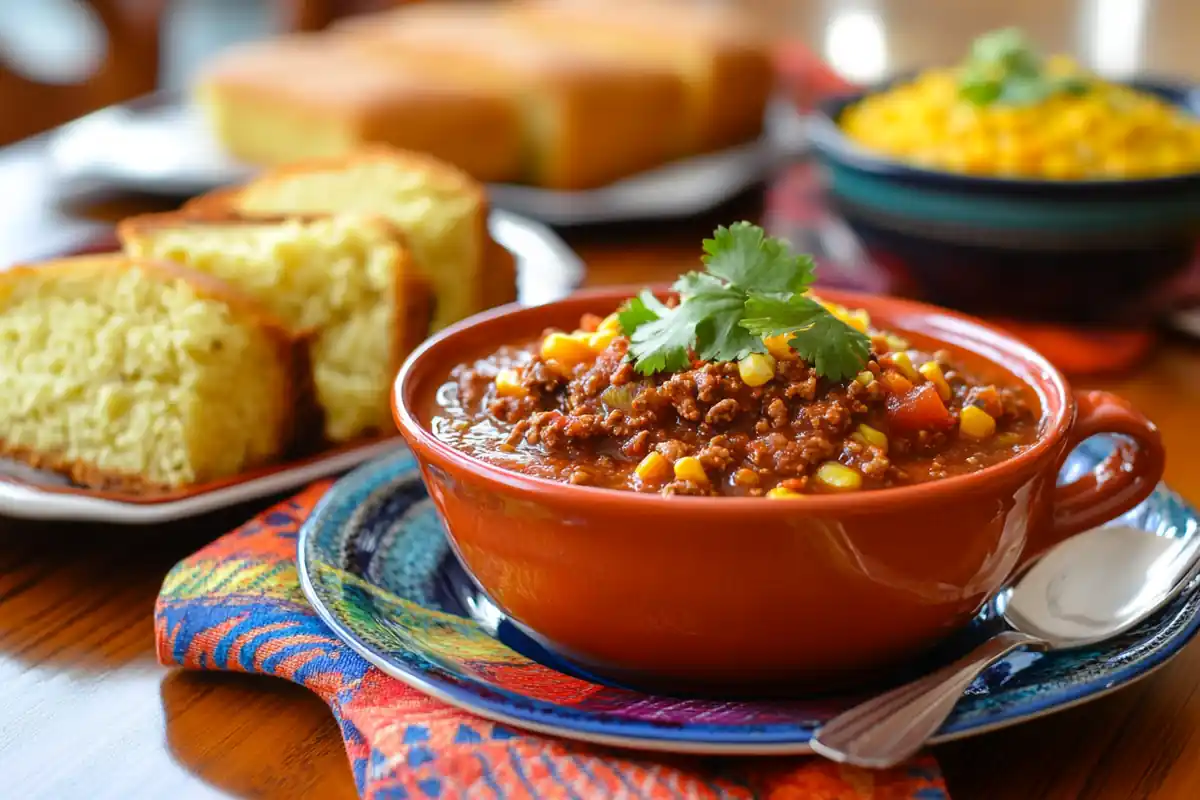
(593, 423)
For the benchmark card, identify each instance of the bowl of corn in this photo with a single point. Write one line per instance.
(1020, 185)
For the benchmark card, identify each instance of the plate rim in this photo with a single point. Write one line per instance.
(463, 699)
(20, 500)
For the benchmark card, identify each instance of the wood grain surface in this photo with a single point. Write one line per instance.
(85, 711)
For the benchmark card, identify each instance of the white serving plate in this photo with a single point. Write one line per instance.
(547, 269)
(160, 145)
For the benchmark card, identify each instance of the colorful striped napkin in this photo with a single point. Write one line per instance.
(237, 605)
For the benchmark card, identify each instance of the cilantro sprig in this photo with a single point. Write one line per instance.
(752, 286)
(1004, 68)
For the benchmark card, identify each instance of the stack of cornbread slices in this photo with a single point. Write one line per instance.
(563, 94)
(257, 322)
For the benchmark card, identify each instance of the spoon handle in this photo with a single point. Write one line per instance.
(888, 729)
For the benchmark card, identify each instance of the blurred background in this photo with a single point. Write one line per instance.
(62, 58)
(316, 82)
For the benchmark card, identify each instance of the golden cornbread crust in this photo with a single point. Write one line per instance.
(83, 474)
(589, 117)
(724, 59)
(293, 393)
(225, 202)
(489, 282)
(263, 114)
(451, 178)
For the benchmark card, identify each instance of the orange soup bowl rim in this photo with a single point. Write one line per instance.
(961, 332)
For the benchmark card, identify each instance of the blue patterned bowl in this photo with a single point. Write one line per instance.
(1070, 251)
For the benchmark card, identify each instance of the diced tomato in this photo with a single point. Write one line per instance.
(987, 398)
(895, 383)
(919, 409)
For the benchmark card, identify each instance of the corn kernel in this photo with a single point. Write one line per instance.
(756, 369)
(566, 349)
(873, 437)
(1009, 439)
(895, 383)
(508, 384)
(858, 319)
(783, 493)
(600, 340)
(976, 423)
(838, 477)
(933, 373)
(654, 467)
(610, 324)
(903, 362)
(689, 468)
(778, 347)
(864, 378)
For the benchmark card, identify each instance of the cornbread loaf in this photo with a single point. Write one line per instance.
(723, 59)
(347, 279)
(277, 101)
(140, 376)
(588, 117)
(441, 211)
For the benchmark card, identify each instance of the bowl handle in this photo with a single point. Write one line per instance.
(1122, 480)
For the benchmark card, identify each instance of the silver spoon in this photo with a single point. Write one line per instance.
(1090, 588)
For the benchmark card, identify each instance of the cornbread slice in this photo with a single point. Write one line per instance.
(347, 279)
(277, 101)
(441, 210)
(588, 118)
(140, 376)
(724, 60)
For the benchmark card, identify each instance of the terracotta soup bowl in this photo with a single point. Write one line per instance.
(709, 592)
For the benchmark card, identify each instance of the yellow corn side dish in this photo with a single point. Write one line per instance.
(1108, 132)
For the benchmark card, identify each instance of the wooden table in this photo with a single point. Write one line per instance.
(85, 711)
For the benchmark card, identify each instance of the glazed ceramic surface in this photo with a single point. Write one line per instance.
(376, 565)
(833, 586)
(1060, 250)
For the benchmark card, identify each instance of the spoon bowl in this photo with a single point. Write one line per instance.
(1090, 588)
(1099, 585)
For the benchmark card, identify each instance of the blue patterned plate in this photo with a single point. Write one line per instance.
(375, 564)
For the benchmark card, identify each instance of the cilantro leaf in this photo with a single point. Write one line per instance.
(835, 350)
(752, 286)
(664, 344)
(1004, 67)
(640, 310)
(774, 315)
(1007, 49)
(693, 283)
(979, 89)
(744, 256)
(719, 336)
